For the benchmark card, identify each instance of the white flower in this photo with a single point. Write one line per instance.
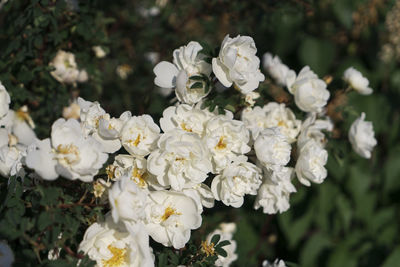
(273, 195)
(152, 57)
(70, 154)
(276, 263)
(235, 181)
(117, 245)
(238, 64)
(181, 160)
(272, 147)
(361, 136)
(227, 139)
(66, 68)
(73, 111)
(139, 135)
(4, 101)
(310, 93)
(278, 71)
(272, 115)
(250, 98)
(188, 61)
(357, 81)
(136, 167)
(202, 194)
(97, 122)
(20, 126)
(170, 217)
(310, 163)
(225, 231)
(6, 255)
(312, 129)
(127, 200)
(99, 51)
(185, 117)
(10, 161)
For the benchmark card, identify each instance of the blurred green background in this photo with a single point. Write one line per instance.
(352, 219)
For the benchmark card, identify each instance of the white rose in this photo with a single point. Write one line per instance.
(185, 117)
(99, 51)
(4, 101)
(90, 114)
(361, 136)
(225, 231)
(310, 93)
(136, 167)
(6, 255)
(235, 181)
(276, 263)
(272, 147)
(170, 217)
(227, 139)
(273, 195)
(202, 194)
(312, 129)
(66, 68)
(238, 64)
(127, 200)
(181, 160)
(10, 161)
(188, 61)
(357, 81)
(278, 71)
(310, 163)
(139, 135)
(111, 244)
(20, 126)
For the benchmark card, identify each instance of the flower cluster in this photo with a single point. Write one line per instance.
(164, 175)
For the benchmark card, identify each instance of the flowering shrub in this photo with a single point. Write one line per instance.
(177, 185)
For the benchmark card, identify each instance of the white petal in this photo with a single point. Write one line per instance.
(166, 73)
(221, 72)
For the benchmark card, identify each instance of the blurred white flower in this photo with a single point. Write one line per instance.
(170, 216)
(99, 51)
(236, 180)
(181, 160)
(362, 137)
(188, 61)
(278, 71)
(152, 57)
(73, 111)
(111, 244)
(139, 135)
(310, 165)
(227, 139)
(6, 255)
(357, 81)
(123, 71)
(66, 68)
(238, 64)
(273, 195)
(310, 93)
(4, 101)
(225, 231)
(276, 263)
(127, 200)
(272, 148)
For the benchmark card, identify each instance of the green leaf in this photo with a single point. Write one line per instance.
(393, 259)
(223, 243)
(215, 239)
(318, 54)
(196, 85)
(221, 252)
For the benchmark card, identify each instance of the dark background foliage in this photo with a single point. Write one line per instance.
(352, 219)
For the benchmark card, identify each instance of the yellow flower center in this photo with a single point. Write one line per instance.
(168, 212)
(183, 125)
(282, 123)
(110, 170)
(139, 177)
(118, 258)
(207, 248)
(221, 144)
(136, 142)
(69, 153)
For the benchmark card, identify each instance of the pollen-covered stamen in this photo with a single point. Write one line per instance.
(23, 115)
(168, 213)
(67, 153)
(139, 177)
(119, 257)
(110, 170)
(221, 144)
(136, 141)
(185, 128)
(207, 248)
